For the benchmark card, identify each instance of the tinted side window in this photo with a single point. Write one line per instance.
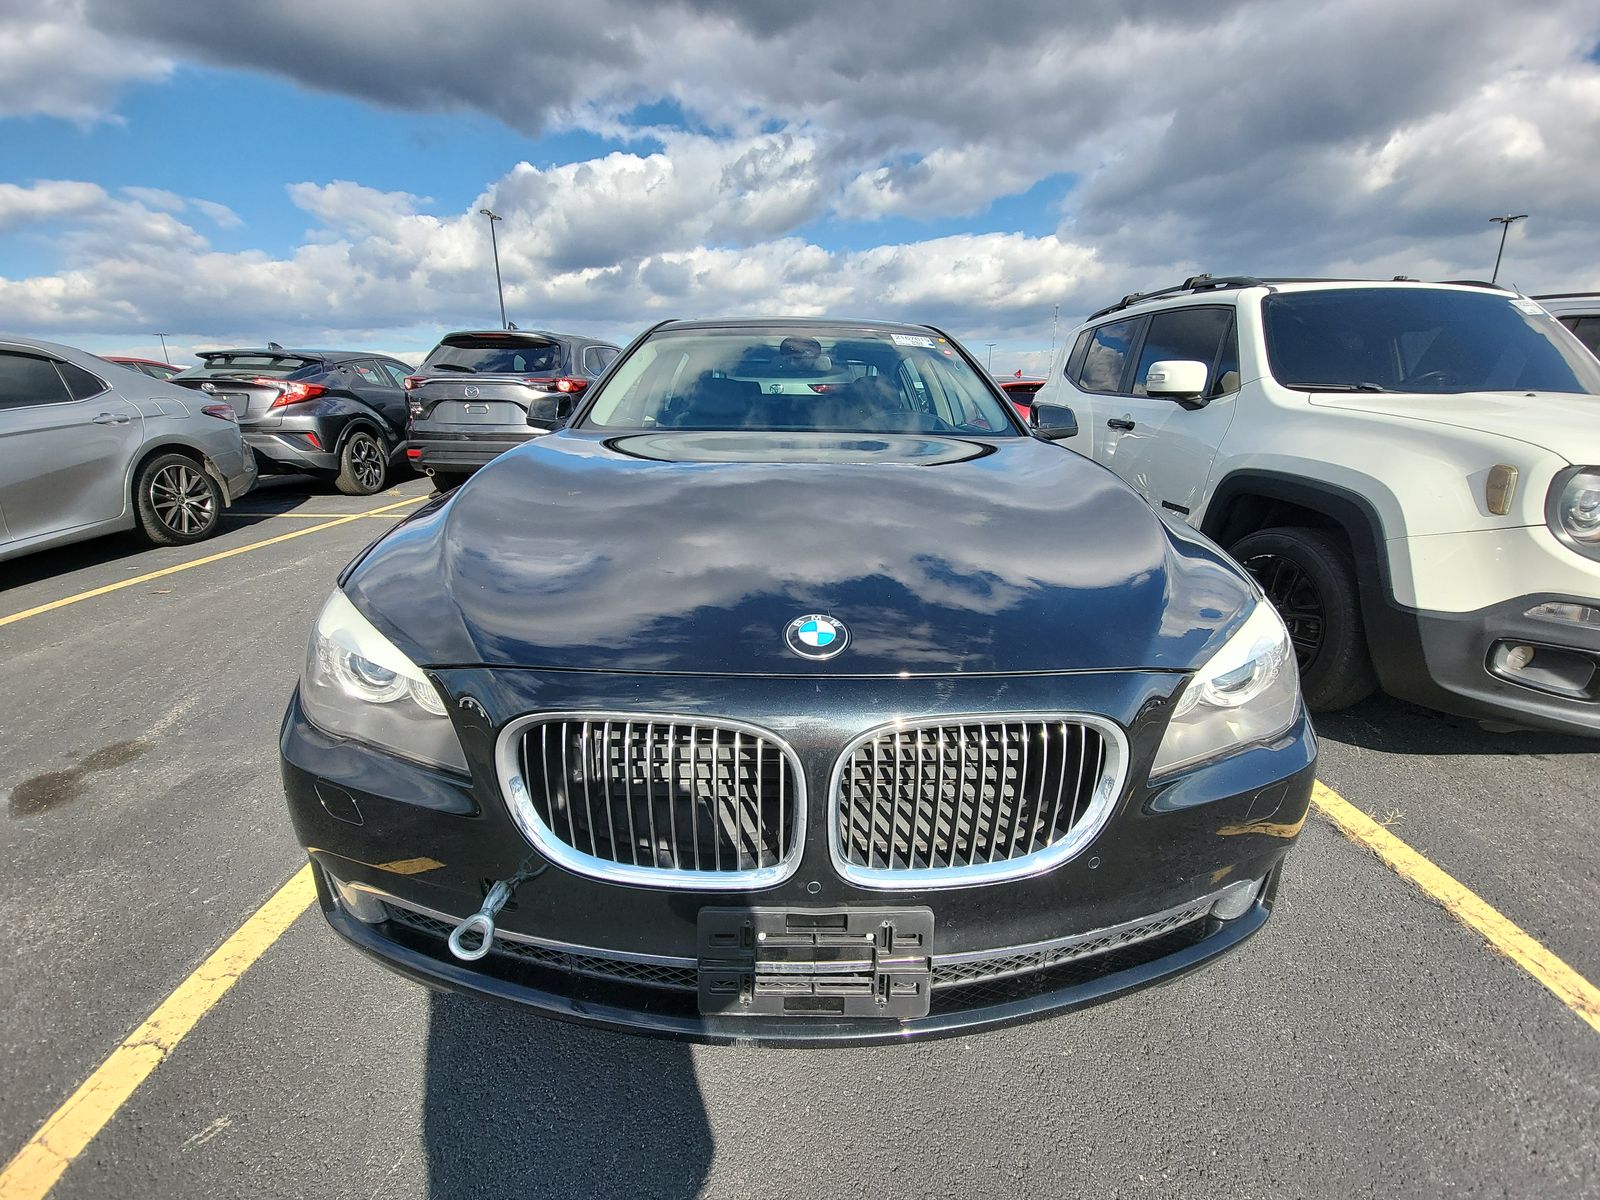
(395, 372)
(1194, 334)
(27, 379)
(1107, 357)
(1225, 378)
(591, 360)
(1587, 330)
(80, 383)
(1079, 350)
(608, 355)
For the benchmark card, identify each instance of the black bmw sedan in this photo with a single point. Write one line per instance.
(794, 692)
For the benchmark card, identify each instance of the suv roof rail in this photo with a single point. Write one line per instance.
(1211, 283)
(1483, 283)
(1566, 295)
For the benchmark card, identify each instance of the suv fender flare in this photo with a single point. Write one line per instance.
(1392, 637)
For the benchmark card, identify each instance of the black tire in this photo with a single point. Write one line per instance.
(1310, 578)
(175, 502)
(443, 481)
(363, 465)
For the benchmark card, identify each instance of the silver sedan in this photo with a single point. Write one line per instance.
(88, 448)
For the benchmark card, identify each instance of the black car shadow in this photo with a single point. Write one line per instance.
(1392, 726)
(520, 1105)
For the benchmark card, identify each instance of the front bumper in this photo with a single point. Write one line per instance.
(1458, 663)
(425, 845)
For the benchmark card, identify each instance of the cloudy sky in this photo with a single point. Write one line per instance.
(310, 170)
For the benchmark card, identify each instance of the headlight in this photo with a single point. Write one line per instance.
(1573, 509)
(358, 684)
(1249, 691)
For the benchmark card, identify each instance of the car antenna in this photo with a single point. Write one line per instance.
(274, 346)
(511, 324)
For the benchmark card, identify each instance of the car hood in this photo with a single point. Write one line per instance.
(1563, 423)
(693, 552)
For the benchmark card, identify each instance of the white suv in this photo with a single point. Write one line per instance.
(1411, 471)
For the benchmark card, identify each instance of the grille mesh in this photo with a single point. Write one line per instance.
(959, 795)
(664, 795)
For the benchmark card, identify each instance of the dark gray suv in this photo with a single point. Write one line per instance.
(481, 392)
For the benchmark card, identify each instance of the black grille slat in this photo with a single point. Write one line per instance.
(687, 796)
(966, 793)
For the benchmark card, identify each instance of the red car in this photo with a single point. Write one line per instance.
(1020, 393)
(155, 368)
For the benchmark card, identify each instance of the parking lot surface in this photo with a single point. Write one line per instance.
(1365, 1043)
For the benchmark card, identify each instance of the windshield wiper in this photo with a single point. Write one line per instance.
(1338, 387)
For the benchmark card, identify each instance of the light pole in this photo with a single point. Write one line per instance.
(1505, 227)
(164, 353)
(991, 346)
(1055, 321)
(494, 245)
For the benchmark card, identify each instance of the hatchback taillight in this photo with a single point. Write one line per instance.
(572, 386)
(223, 412)
(413, 382)
(294, 393)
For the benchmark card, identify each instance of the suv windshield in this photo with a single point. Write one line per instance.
(820, 379)
(1430, 340)
(495, 354)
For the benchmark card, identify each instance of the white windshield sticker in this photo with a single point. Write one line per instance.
(1522, 304)
(911, 339)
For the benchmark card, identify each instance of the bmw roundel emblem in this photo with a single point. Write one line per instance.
(816, 636)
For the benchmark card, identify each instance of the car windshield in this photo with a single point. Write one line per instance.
(269, 366)
(821, 379)
(1429, 340)
(494, 354)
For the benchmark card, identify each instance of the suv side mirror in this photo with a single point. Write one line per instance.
(549, 412)
(1052, 422)
(1180, 379)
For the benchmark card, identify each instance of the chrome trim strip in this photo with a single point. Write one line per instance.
(1113, 774)
(519, 801)
(1201, 905)
(501, 933)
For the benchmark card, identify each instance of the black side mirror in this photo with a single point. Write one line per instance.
(549, 412)
(1052, 422)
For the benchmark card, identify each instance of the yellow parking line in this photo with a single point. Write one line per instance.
(36, 1167)
(1465, 905)
(200, 562)
(298, 515)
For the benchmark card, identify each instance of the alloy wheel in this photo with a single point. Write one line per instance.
(1297, 600)
(182, 500)
(366, 461)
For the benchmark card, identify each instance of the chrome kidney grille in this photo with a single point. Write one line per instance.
(942, 804)
(690, 803)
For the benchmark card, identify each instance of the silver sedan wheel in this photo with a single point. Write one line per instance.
(183, 502)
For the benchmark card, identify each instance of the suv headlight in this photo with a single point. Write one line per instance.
(358, 684)
(1247, 692)
(1573, 509)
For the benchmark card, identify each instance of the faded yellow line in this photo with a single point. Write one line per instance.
(200, 562)
(1465, 905)
(298, 515)
(36, 1167)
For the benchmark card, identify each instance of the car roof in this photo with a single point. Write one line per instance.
(793, 323)
(1203, 289)
(542, 335)
(331, 356)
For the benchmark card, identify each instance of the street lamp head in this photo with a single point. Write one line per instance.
(493, 216)
(1508, 218)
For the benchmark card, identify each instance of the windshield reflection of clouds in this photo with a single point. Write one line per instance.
(567, 554)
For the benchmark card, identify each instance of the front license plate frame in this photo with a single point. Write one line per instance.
(816, 962)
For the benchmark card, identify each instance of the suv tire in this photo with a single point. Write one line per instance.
(363, 465)
(1309, 577)
(443, 481)
(176, 501)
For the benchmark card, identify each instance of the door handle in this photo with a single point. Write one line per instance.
(111, 419)
(1119, 423)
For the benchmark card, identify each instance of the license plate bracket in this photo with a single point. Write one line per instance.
(816, 962)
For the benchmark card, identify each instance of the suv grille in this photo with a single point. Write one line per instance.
(971, 800)
(713, 800)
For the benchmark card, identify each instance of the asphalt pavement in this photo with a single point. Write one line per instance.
(1365, 1043)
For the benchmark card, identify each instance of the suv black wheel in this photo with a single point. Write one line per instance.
(1311, 581)
(175, 501)
(363, 465)
(443, 481)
